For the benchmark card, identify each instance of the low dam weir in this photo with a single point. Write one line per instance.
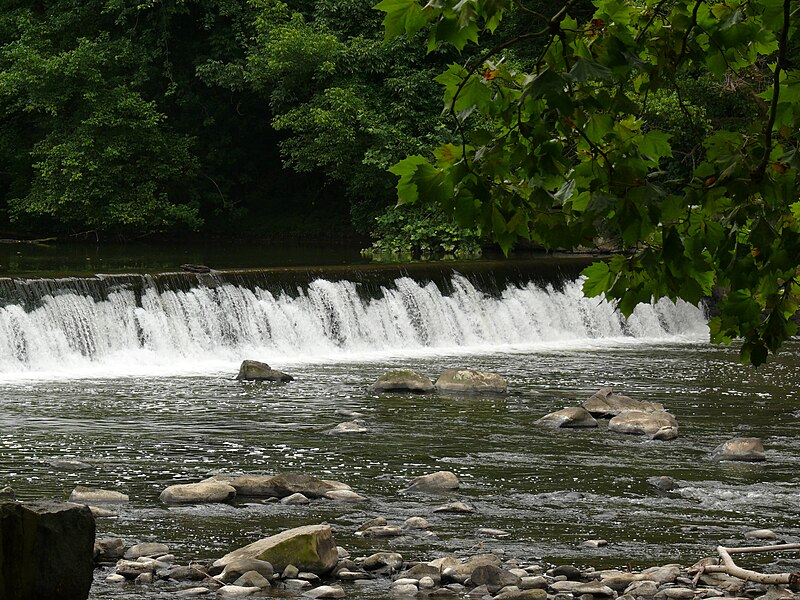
(116, 321)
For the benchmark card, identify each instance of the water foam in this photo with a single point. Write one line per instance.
(211, 328)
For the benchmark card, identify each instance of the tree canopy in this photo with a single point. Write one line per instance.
(610, 127)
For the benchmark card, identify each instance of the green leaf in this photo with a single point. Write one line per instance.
(599, 279)
(402, 16)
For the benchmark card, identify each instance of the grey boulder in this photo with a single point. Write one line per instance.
(471, 381)
(403, 380)
(573, 416)
(252, 370)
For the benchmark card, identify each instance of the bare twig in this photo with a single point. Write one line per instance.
(728, 567)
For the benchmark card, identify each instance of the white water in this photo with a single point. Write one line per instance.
(205, 329)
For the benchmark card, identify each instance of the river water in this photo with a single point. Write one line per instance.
(133, 375)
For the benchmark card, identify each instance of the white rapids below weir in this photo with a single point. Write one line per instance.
(211, 329)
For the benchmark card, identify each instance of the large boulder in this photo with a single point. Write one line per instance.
(471, 382)
(198, 493)
(746, 449)
(310, 548)
(283, 485)
(404, 380)
(441, 481)
(46, 550)
(252, 370)
(638, 422)
(605, 403)
(572, 416)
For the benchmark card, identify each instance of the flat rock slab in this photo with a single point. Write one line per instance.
(198, 493)
(310, 548)
(86, 495)
(606, 403)
(469, 381)
(403, 381)
(745, 449)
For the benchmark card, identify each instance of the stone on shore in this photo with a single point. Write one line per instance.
(605, 403)
(309, 548)
(46, 550)
(494, 577)
(87, 495)
(639, 422)
(403, 380)
(572, 416)
(252, 370)
(460, 572)
(204, 492)
(441, 481)
(236, 591)
(471, 381)
(746, 449)
(383, 560)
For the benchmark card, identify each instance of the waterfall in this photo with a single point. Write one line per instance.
(74, 329)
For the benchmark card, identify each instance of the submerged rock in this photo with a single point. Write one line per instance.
(454, 507)
(666, 433)
(471, 381)
(252, 370)
(746, 449)
(638, 422)
(309, 548)
(441, 481)
(605, 403)
(7, 492)
(69, 464)
(662, 482)
(198, 493)
(573, 416)
(86, 495)
(46, 550)
(404, 380)
(348, 427)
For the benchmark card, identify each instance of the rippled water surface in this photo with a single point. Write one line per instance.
(550, 489)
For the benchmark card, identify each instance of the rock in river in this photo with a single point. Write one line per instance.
(85, 495)
(605, 403)
(348, 427)
(573, 416)
(639, 422)
(404, 380)
(196, 493)
(252, 370)
(441, 481)
(470, 381)
(747, 449)
(309, 548)
(46, 550)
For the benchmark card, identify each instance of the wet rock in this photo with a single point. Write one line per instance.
(148, 549)
(287, 484)
(494, 578)
(347, 575)
(404, 380)
(595, 543)
(471, 381)
(594, 588)
(7, 492)
(236, 568)
(144, 579)
(46, 550)
(252, 370)
(746, 449)
(382, 560)
(665, 434)
(252, 579)
(345, 496)
(101, 512)
(427, 583)
(108, 549)
(191, 592)
(185, 573)
(376, 522)
(638, 422)
(573, 416)
(568, 571)
(115, 578)
(416, 523)
(661, 575)
(312, 578)
(441, 481)
(641, 589)
(343, 553)
(404, 589)
(761, 534)
(192, 268)
(380, 531)
(296, 584)
(290, 572)
(203, 492)
(348, 427)
(295, 499)
(618, 581)
(605, 403)
(86, 495)
(533, 583)
(236, 591)
(131, 569)
(460, 572)
(325, 591)
(454, 507)
(493, 533)
(678, 593)
(663, 483)
(533, 594)
(310, 548)
(422, 570)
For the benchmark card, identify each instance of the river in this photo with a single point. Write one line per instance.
(133, 375)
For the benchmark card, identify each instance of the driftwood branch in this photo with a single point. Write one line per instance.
(729, 567)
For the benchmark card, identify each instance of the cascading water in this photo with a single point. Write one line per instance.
(129, 329)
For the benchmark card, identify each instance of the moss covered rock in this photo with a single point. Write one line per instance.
(310, 548)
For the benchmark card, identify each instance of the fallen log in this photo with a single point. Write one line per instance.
(729, 567)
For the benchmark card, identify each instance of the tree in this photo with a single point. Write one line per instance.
(566, 145)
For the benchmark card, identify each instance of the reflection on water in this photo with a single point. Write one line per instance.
(550, 489)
